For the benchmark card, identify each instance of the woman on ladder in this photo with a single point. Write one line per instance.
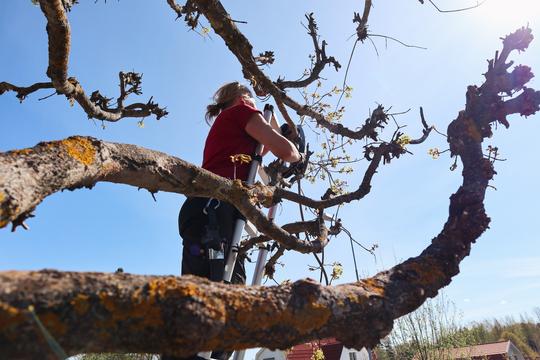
(207, 224)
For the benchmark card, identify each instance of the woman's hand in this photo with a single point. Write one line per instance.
(263, 132)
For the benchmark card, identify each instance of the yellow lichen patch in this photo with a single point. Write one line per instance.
(260, 313)
(21, 152)
(142, 311)
(80, 304)
(373, 286)
(312, 315)
(354, 297)
(161, 287)
(148, 313)
(80, 148)
(214, 307)
(9, 316)
(53, 324)
(4, 217)
(107, 301)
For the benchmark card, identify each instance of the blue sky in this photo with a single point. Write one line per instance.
(115, 226)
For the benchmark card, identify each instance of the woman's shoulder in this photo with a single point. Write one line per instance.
(241, 112)
(243, 106)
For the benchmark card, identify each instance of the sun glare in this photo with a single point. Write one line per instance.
(512, 13)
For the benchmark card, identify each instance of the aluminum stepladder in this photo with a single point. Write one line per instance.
(259, 266)
(239, 229)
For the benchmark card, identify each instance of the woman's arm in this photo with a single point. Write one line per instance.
(263, 132)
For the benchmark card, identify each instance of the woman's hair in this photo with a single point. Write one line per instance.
(224, 97)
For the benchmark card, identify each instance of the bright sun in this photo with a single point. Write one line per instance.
(511, 12)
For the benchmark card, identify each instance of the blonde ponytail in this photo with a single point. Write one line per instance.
(224, 97)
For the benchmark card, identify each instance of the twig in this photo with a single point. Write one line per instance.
(454, 10)
(398, 41)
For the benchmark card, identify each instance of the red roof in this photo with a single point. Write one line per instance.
(477, 351)
(330, 347)
(497, 348)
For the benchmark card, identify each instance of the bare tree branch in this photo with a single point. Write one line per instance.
(311, 227)
(79, 162)
(240, 46)
(361, 29)
(358, 194)
(270, 267)
(478, 3)
(177, 8)
(59, 35)
(425, 132)
(188, 10)
(23, 92)
(321, 59)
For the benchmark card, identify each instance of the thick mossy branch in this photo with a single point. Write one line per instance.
(92, 312)
(33, 174)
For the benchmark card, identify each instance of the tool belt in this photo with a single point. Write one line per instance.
(206, 227)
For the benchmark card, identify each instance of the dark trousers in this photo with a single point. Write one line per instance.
(191, 223)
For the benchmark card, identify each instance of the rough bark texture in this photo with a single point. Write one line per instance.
(30, 175)
(88, 312)
(114, 312)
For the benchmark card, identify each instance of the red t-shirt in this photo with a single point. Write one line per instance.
(228, 137)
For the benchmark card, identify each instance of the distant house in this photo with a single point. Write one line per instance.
(265, 354)
(502, 350)
(331, 348)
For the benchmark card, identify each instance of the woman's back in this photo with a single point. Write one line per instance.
(228, 137)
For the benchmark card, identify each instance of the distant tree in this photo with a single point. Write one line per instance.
(520, 343)
(427, 333)
(435, 327)
(130, 313)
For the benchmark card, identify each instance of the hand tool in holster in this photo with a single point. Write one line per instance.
(212, 242)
